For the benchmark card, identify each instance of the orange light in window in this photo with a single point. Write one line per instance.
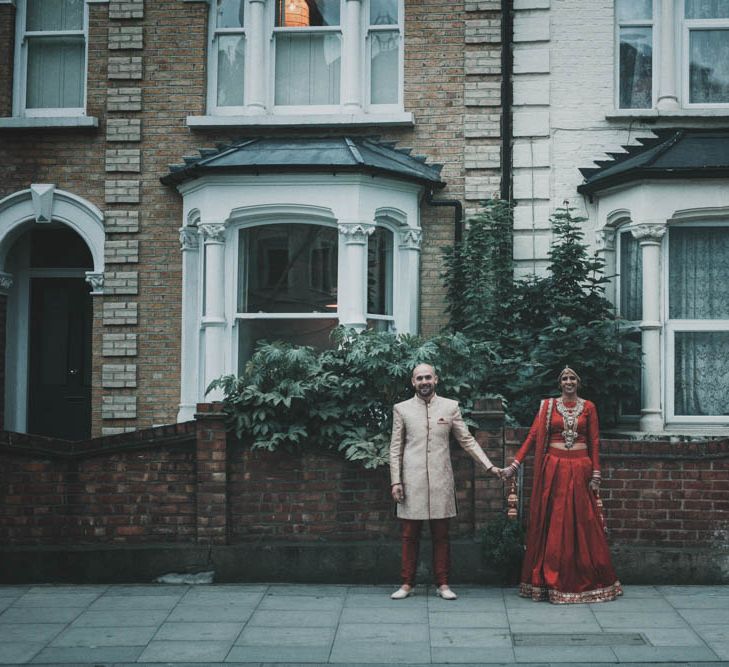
(297, 14)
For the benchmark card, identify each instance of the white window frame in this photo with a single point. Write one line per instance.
(394, 274)
(632, 326)
(265, 66)
(20, 72)
(671, 327)
(687, 25)
(213, 33)
(366, 64)
(653, 23)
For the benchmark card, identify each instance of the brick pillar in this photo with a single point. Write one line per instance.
(7, 57)
(212, 477)
(488, 492)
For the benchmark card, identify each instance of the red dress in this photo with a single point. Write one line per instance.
(567, 558)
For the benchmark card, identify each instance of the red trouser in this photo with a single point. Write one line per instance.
(411, 530)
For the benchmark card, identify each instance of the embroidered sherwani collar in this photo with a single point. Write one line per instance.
(422, 401)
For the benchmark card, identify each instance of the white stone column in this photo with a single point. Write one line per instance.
(96, 282)
(351, 77)
(352, 284)
(407, 283)
(213, 320)
(667, 95)
(650, 237)
(255, 70)
(189, 378)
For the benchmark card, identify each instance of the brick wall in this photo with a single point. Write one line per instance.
(3, 330)
(658, 493)
(7, 46)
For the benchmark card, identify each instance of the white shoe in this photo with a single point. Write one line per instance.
(402, 593)
(446, 593)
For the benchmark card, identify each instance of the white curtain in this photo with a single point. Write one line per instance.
(699, 289)
(54, 15)
(707, 9)
(636, 68)
(631, 278)
(384, 67)
(307, 69)
(231, 68)
(709, 68)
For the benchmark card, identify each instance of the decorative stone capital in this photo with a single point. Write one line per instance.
(189, 238)
(411, 238)
(356, 232)
(6, 281)
(96, 280)
(605, 239)
(213, 232)
(648, 232)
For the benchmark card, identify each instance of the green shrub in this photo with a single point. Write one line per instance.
(341, 398)
(502, 547)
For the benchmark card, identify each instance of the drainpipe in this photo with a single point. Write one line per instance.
(457, 213)
(507, 66)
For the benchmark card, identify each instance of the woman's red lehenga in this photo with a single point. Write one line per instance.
(567, 557)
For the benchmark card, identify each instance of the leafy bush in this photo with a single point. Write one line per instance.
(536, 326)
(502, 547)
(342, 398)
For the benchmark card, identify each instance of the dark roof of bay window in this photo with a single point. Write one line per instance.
(672, 153)
(317, 155)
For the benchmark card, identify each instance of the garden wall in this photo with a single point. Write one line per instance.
(188, 497)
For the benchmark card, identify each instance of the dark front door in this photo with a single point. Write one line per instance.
(59, 391)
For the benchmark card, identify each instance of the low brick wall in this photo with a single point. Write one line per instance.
(193, 485)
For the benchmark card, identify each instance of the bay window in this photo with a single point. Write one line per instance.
(305, 56)
(706, 50)
(379, 279)
(50, 57)
(635, 53)
(630, 308)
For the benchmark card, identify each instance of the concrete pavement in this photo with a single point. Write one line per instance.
(309, 624)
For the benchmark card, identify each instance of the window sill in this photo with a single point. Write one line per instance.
(404, 119)
(24, 122)
(620, 114)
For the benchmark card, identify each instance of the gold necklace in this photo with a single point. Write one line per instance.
(569, 418)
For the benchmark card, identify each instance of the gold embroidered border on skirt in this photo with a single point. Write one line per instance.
(538, 594)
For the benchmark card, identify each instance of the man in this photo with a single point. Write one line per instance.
(422, 476)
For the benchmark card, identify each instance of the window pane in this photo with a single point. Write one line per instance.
(385, 67)
(379, 272)
(698, 283)
(636, 68)
(380, 325)
(631, 278)
(55, 15)
(707, 9)
(709, 68)
(231, 66)
(314, 333)
(288, 269)
(634, 10)
(229, 13)
(702, 373)
(304, 13)
(307, 69)
(630, 402)
(55, 72)
(383, 12)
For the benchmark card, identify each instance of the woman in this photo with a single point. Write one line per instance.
(567, 558)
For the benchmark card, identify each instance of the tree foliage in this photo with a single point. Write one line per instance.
(536, 326)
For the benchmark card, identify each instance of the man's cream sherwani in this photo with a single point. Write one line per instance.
(420, 456)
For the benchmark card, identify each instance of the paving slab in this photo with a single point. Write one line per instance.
(18, 652)
(169, 651)
(458, 654)
(52, 599)
(560, 654)
(323, 590)
(713, 633)
(70, 589)
(467, 619)
(636, 620)
(383, 600)
(84, 654)
(700, 617)
(721, 649)
(118, 602)
(157, 590)
(223, 613)
(262, 636)
(5, 603)
(467, 604)
(672, 637)
(40, 615)
(469, 638)
(113, 636)
(302, 602)
(376, 632)
(391, 614)
(274, 618)
(277, 654)
(199, 631)
(29, 632)
(13, 591)
(646, 605)
(124, 618)
(676, 654)
(359, 651)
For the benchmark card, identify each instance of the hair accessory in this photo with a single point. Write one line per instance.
(571, 370)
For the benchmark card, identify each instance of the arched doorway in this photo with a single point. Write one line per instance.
(54, 307)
